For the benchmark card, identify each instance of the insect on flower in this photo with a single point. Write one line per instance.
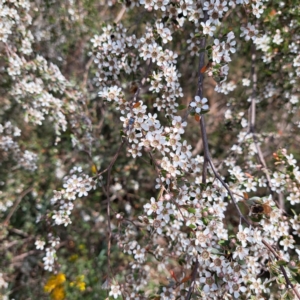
(130, 123)
(259, 208)
(263, 209)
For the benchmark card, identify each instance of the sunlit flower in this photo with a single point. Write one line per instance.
(199, 104)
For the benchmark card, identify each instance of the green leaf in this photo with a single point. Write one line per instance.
(223, 242)
(181, 261)
(181, 107)
(214, 251)
(205, 221)
(203, 112)
(297, 278)
(281, 263)
(191, 210)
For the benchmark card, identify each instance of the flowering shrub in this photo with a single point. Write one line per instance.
(154, 155)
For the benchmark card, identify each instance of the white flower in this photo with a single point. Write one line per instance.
(201, 239)
(277, 39)
(235, 288)
(250, 185)
(249, 32)
(207, 28)
(209, 282)
(160, 4)
(293, 198)
(290, 159)
(153, 206)
(3, 283)
(167, 294)
(115, 291)
(240, 252)
(257, 10)
(244, 122)
(111, 93)
(178, 124)
(39, 244)
(246, 82)
(199, 104)
(158, 225)
(263, 43)
(139, 253)
(165, 212)
(244, 235)
(165, 33)
(287, 243)
(256, 285)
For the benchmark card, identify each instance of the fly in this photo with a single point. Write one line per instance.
(130, 123)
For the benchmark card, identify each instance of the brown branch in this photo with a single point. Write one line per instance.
(86, 72)
(252, 110)
(16, 204)
(263, 162)
(149, 62)
(22, 256)
(120, 14)
(208, 160)
(108, 203)
(204, 139)
(218, 176)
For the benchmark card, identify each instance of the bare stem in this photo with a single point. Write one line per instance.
(108, 207)
(253, 118)
(206, 153)
(16, 204)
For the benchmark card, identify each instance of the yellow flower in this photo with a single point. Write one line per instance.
(81, 286)
(94, 169)
(49, 286)
(58, 293)
(79, 283)
(60, 278)
(54, 285)
(73, 257)
(81, 246)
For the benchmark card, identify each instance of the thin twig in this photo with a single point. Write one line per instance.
(120, 14)
(23, 255)
(86, 72)
(253, 118)
(262, 160)
(109, 169)
(149, 62)
(205, 146)
(16, 204)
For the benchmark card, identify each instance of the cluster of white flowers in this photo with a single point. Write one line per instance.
(225, 87)
(50, 252)
(296, 64)
(201, 210)
(15, 18)
(164, 32)
(197, 205)
(36, 85)
(186, 221)
(76, 186)
(8, 147)
(35, 92)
